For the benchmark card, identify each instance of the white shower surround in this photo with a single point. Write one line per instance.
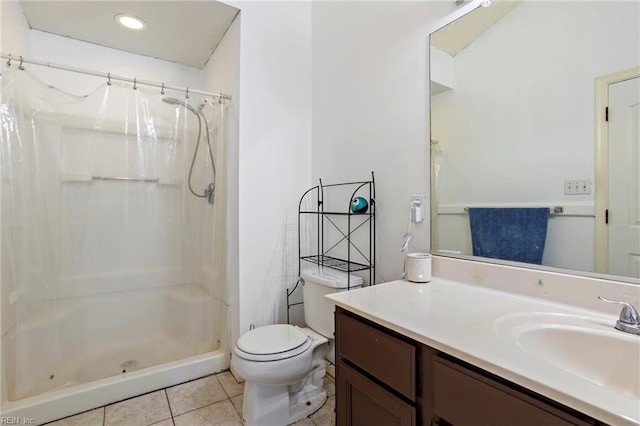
(74, 340)
(71, 397)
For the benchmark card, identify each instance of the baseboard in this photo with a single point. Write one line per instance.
(331, 369)
(235, 374)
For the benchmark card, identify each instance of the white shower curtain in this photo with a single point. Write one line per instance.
(108, 259)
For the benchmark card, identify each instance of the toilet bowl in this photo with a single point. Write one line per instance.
(284, 365)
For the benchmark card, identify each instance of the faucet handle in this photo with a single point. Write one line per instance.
(629, 315)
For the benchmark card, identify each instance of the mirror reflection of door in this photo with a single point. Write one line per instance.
(624, 178)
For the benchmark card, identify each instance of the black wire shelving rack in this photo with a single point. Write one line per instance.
(326, 220)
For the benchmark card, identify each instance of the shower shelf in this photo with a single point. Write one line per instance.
(71, 177)
(354, 256)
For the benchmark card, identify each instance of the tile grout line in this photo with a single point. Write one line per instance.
(195, 409)
(166, 395)
(223, 389)
(239, 413)
(189, 381)
(236, 408)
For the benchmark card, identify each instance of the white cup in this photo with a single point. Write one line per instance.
(419, 267)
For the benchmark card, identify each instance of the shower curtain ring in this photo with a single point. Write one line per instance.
(187, 95)
(135, 83)
(20, 67)
(109, 79)
(9, 61)
(162, 90)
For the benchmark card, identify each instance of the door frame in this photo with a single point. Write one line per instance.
(602, 84)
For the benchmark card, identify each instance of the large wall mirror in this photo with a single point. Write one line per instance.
(519, 98)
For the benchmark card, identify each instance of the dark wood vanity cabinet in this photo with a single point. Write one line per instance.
(384, 378)
(379, 389)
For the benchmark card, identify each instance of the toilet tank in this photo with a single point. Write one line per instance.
(318, 311)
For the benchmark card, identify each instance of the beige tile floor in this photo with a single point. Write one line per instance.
(212, 400)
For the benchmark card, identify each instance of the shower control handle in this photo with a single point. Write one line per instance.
(209, 193)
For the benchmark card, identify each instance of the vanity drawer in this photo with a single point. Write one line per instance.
(464, 397)
(389, 359)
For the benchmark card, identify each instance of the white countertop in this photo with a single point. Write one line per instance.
(464, 321)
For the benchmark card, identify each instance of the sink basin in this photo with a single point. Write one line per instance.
(588, 348)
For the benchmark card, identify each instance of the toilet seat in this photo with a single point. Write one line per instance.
(272, 343)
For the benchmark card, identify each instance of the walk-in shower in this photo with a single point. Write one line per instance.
(113, 273)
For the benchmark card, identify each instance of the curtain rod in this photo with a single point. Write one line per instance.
(20, 60)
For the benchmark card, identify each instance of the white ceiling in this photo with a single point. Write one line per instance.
(460, 33)
(185, 32)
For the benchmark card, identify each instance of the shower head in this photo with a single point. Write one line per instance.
(174, 101)
(209, 191)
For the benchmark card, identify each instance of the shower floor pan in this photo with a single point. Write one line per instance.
(116, 361)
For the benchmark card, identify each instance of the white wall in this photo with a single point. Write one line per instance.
(222, 75)
(370, 110)
(369, 88)
(274, 149)
(14, 33)
(75, 53)
(441, 70)
(520, 119)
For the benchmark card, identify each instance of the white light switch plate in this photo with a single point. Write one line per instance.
(577, 187)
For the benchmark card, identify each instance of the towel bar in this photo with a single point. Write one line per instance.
(552, 210)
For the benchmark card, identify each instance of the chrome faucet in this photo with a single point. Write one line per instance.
(629, 321)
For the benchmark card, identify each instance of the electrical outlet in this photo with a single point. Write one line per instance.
(418, 205)
(421, 198)
(577, 187)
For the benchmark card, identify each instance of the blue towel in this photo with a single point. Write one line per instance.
(515, 234)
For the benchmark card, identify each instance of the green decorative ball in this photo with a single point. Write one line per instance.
(359, 205)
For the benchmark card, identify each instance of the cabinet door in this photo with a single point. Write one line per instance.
(464, 397)
(361, 402)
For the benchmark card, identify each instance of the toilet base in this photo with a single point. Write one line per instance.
(307, 396)
(265, 405)
(279, 405)
(303, 410)
(276, 408)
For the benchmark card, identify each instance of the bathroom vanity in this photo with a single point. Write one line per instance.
(491, 341)
(449, 353)
(385, 378)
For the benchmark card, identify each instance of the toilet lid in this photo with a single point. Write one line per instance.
(271, 339)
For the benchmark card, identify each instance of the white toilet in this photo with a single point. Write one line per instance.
(283, 365)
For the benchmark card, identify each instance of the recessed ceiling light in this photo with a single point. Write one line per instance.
(130, 21)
